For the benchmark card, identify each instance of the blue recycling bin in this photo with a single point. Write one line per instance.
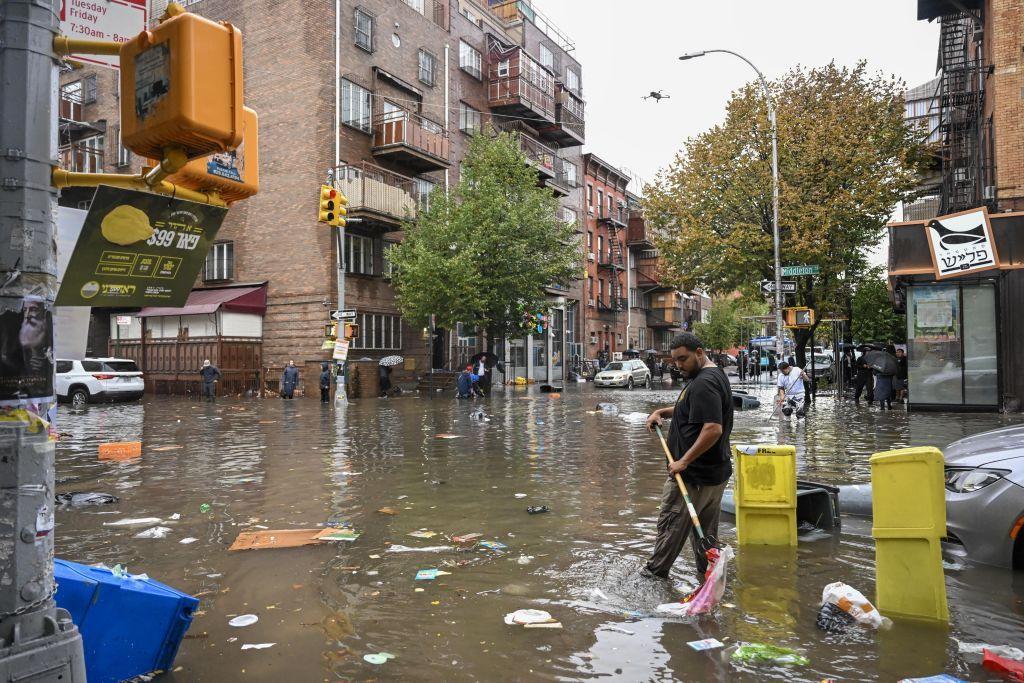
(129, 626)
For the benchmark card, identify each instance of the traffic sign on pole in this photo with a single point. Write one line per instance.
(790, 271)
(343, 315)
(117, 21)
(788, 286)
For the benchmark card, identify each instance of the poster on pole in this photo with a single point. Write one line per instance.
(138, 249)
(26, 352)
(341, 350)
(115, 20)
(962, 243)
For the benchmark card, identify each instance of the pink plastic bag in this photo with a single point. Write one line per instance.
(704, 599)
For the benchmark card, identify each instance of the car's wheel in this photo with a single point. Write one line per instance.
(629, 384)
(79, 397)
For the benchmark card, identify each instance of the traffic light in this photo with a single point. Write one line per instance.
(341, 211)
(328, 205)
(351, 330)
(798, 317)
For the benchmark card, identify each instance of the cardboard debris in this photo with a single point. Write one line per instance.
(466, 538)
(120, 450)
(282, 538)
(337, 535)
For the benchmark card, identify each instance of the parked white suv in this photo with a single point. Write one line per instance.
(624, 373)
(98, 379)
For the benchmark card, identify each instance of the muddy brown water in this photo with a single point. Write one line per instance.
(297, 464)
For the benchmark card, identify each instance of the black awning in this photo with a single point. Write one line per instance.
(932, 9)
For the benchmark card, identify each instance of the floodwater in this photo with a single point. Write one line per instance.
(297, 464)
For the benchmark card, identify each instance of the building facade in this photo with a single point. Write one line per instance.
(384, 109)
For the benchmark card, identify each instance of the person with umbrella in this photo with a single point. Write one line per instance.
(385, 367)
(863, 379)
(483, 363)
(885, 366)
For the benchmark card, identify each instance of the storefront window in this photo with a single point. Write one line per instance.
(951, 344)
(557, 350)
(540, 356)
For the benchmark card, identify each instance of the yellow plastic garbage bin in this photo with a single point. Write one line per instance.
(765, 494)
(909, 519)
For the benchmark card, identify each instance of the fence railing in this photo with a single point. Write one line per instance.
(372, 188)
(405, 128)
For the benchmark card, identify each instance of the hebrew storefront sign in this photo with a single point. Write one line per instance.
(962, 243)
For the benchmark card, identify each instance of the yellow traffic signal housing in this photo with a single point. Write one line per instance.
(798, 317)
(351, 330)
(341, 201)
(328, 211)
(181, 86)
(331, 330)
(234, 174)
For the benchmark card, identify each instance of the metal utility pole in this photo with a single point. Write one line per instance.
(779, 345)
(38, 642)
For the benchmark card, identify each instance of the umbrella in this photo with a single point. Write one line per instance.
(490, 360)
(388, 361)
(882, 362)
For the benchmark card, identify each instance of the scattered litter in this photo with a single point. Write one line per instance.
(524, 559)
(952, 566)
(607, 408)
(466, 538)
(540, 422)
(528, 616)
(81, 499)
(388, 511)
(337, 535)
(619, 629)
(166, 448)
(134, 521)
(244, 620)
(941, 678)
(447, 436)
(598, 593)
(423, 533)
(176, 516)
(257, 646)
(492, 545)
(285, 538)
(538, 509)
(759, 653)
(154, 532)
(998, 650)
(408, 549)
(853, 601)
(520, 495)
(1014, 670)
(547, 624)
(401, 497)
(378, 657)
(634, 418)
(372, 572)
(832, 619)
(374, 557)
(186, 541)
(120, 450)
(479, 415)
(710, 593)
(430, 574)
(706, 644)
(205, 507)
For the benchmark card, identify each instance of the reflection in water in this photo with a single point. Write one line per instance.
(299, 464)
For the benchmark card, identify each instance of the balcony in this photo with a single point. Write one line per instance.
(615, 220)
(560, 183)
(412, 141)
(665, 318)
(539, 155)
(612, 305)
(610, 262)
(637, 234)
(83, 157)
(517, 85)
(377, 195)
(648, 272)
(511, 12)
(568, 128)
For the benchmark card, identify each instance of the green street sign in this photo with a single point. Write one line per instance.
(788, 271)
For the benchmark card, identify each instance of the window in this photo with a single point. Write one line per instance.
(569, 173)
(590, 240)
(416, 5)
(64, 366)
(590, 198)
(611, 206)
(423, 189)
(364, 30)
(428, 64)
(358, 255)
(469, 14)
(568, 216)
(124, 155)
(600, 246)
(634, 299)
(89, 92)
(470, 60)
(600, 290)
(220, 262)
(355, 106)
(590, 286)
(382, 331)
(572, 81)
(600, 203)
(546, 58)
(503, 68)
(470, 119)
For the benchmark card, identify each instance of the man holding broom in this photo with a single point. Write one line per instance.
(698, 441)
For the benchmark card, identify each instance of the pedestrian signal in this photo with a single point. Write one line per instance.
(798, 317)
(351, 330)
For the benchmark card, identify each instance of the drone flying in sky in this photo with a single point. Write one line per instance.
(657, 96)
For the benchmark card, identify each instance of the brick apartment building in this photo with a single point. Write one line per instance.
(388, 108)
(606, 219)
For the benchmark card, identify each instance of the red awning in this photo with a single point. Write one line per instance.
(251, 299)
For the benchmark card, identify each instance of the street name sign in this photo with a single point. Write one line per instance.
(343, 315)
(788, 286)
(115, 20)
(790, 271)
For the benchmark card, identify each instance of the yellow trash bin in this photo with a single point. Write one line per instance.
(765, 494)
(908, 503)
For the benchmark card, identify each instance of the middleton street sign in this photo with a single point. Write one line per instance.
(790, 271)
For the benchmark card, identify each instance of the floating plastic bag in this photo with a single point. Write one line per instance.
(528, 616)
(759, 653)
(704, 599)
(999, 650)
(1013, 670)
(634, 418)
(154, 532)
(853, 602)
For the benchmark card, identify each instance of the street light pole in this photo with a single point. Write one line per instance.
(779, 347)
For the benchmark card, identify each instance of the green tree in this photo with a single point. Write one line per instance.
(483, 253)
(873, 317)
(846, 156)
(727, 324)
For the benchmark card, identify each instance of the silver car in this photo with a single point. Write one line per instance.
(624, 373)
(985, 496)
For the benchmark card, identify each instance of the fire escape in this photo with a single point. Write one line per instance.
(966, 155)
(615, 260)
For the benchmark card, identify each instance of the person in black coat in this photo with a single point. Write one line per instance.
(864, 381)
(210, 375)
(289, 380)
(325, 383)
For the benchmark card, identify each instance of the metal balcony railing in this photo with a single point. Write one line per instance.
(512, 11)
(81, 157)
(538, 154)
(403, 128)
(371, 188)
(519, 81)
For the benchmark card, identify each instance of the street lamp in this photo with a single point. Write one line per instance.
(775, 190)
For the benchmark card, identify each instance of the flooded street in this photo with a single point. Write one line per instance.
(297, 464)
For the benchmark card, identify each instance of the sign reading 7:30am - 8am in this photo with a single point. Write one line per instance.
(138, 249)
(115, 20)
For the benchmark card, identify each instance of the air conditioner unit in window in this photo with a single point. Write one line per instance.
(593, 339)
(591, 256)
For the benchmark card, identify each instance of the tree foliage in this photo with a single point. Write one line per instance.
(873, 317)
(727, 325)
(846, 157)
(483, 253)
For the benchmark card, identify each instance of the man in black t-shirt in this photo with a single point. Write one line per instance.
(699, 442)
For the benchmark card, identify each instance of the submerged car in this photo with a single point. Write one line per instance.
(985, 496)
(98, 379)
(624, 373)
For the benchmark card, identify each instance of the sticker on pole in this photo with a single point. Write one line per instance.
(152, 78)
(26, 353)
(115, 20)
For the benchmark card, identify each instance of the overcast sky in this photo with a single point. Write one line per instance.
(628, 49)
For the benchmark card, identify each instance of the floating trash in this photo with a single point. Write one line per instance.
(243, 620)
